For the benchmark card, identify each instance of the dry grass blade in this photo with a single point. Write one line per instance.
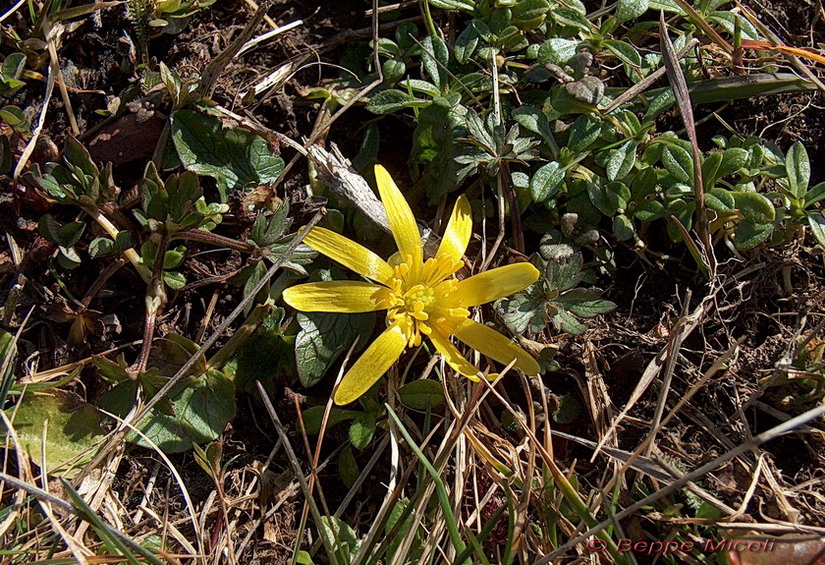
(216, 66)
(675, 345)
(296, 468)
(42, 495)
(79, 551)
(335, 171)
(11, 10)
(764, 30)
(682, 482)
(643, 84)
(680, 91)
(173, 470)
(38, 129)
(697, 19)
(682, 329)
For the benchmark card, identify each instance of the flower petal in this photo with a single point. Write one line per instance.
(458, 232)
(350, 254)
(336, 296)
(371, 366)
(402, 221)
(489, 342)
(453, 358)
(495, 283)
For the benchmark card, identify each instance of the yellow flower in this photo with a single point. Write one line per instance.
(422, 298)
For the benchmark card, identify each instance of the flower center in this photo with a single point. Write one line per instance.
(421, 300)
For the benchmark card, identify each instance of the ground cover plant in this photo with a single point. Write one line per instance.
(240, 239)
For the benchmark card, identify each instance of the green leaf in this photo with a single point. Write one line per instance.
(437, 141)
(630, 9)
(303, 558)
(201, 409)
(750, 234)
(323, 337)
(569, 409)
(566, 322)
(347, 467)
(754, 207)
(313, 417)
(68, 258)
(798, 168)
(175, 280)
(266, 356)
(649, 210)
(563, 274)
(73, 431)
(339, 536)
(586, 303)
(100, 247)
(815, 195)
(678, 162)
(710, 169)
(361, 430)
(15, 118)
(817, 223)
(79, 156)
(623, 227)
(8, 354)
(421, 394)
(235, 158)
(528, 11)
(49, 228)
(523, 312)
(421, 86)
(389, 101)
(666, 5)
(720, 200)
(557, 51)
(546, 182)
(624, 51)
(466, 43)
(733, 159)
(464, 5)
(10, 71)
(572, 18)
(303, 255)
(584, 131)
(68, 235)
(393, 70)
(621, 161)
(173, 258)
(600, 198)
(533, 119)
(265, 232)
(403, 530)
(435, 57)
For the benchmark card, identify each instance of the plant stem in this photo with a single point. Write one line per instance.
(155, 302)
(215, 239)
(113, 232)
